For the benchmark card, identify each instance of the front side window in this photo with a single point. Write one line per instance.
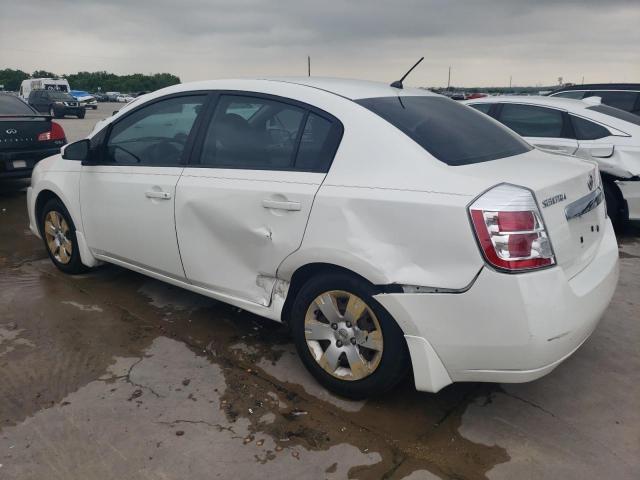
(252, 133)
(155, 134)
(532, 121)
(483, 107)
(586, 130)
(451, 132)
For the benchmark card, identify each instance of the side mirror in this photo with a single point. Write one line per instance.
(77, 150)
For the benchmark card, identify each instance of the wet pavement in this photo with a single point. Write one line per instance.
(111, 374)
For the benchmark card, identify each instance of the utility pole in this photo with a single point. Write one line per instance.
(510, 79)
(309, 65)
(449, 80)
(583, 80)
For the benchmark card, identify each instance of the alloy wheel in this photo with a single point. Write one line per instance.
(343, 335)
(56, 231)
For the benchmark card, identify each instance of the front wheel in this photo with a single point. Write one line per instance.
(59, 235)
(53, 113)
(81, 114)
(346, 339)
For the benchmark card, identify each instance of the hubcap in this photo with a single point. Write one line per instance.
(56, 231)
(343, 335)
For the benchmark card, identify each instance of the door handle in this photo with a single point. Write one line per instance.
(281, 205)
(157, 194)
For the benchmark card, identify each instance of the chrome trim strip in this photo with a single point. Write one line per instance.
(585, 204)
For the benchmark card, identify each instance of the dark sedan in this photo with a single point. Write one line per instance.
(26, 137)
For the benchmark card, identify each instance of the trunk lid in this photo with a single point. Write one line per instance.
(21, 132)
(566, 190)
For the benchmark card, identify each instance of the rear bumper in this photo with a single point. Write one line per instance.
(507, 328)
(30, 157)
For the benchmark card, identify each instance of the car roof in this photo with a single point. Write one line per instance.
(353, 89)
(557, 102)
(598, 86)
(347, 88)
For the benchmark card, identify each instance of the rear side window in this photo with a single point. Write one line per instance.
(256, 133)
(451, 132)
(616, 113)
(10, 105)
(586, 130)
(618, 99)
(532, 121)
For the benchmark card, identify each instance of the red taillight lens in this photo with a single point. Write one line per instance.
(510, 230)
(56, 133)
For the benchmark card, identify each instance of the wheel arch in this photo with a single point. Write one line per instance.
(309, 270)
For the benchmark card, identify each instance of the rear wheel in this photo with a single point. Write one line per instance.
(615, 206)
(59, 235)
(346, 339)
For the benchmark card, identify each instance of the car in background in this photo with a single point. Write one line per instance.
(388, 227)
(584, 128)
(100, 97)
(124, 98)
(112, 96)
(26, 137)
(30, 84)
(55, 103)
(625, 96)
(85, 99)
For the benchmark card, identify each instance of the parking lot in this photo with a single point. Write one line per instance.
(111, 374)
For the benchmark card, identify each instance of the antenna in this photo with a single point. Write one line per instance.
(398, 83)
(308, 65)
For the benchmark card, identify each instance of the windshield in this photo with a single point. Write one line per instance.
(616, 113)
(453, 133)
(61, 96)
(10, 105)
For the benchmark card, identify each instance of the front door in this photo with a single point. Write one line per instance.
(128, 195)
(243, 205)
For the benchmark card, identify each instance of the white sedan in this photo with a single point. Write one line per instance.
(390, 228)
(584, 128)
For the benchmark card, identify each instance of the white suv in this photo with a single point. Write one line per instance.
(390, 228)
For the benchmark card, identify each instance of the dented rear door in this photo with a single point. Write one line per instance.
(236, 226)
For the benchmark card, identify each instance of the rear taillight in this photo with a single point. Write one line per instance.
(56, 133)
(510, 230)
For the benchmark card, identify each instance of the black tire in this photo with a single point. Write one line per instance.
(394, 363)
(615, 206)
(81, 114)
(74, 265)
(53, 112)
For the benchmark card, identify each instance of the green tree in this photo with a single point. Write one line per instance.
(11, 79)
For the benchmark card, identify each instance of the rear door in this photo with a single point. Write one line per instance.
(546, 128)
(243, 203)
(128, 192)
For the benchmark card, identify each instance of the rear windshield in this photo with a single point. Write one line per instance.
(10, 105)
(453, 133)
(616, 113)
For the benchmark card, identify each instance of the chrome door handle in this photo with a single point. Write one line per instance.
(155, 194)
(281, 205)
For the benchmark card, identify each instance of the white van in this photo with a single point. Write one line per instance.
(59, 84)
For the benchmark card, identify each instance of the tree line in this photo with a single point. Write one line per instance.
(92, 81)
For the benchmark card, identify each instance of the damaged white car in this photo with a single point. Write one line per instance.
(392, 229)
(584, 128)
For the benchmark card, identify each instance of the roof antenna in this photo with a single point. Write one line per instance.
(398, 83)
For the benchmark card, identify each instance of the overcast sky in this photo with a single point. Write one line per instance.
(485, 41)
